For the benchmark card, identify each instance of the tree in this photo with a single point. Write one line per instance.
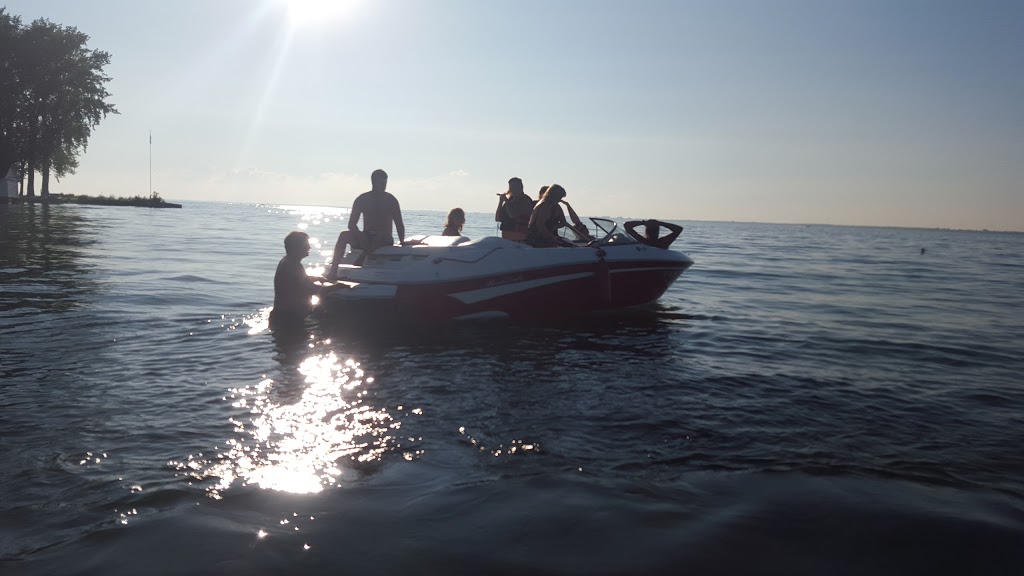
(12, 134)
(56, 89)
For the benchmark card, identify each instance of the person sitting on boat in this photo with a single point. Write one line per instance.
(546, 219)
(652, 231)
(380, 212)
(453, 224)
(514, 208)
(292, 286)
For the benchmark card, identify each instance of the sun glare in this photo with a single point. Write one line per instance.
(317, 12)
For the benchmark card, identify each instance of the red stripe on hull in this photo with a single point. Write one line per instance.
(631, 283)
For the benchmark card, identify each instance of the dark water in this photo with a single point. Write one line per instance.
(804, 400)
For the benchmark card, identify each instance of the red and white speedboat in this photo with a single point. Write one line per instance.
(435, 278)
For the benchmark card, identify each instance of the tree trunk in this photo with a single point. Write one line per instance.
(6, 163)
(44, 188)
(31, 189)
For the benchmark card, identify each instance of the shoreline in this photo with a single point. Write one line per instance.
(135, 201)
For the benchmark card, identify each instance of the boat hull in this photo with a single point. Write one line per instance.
(501, 279)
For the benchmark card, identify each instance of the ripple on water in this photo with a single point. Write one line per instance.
(799, 393)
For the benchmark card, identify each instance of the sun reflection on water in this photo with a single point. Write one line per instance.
(258, 322)
(297, 446)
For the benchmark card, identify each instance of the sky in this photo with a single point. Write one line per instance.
(866, 112)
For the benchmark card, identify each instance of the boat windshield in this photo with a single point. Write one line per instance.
(600, 230)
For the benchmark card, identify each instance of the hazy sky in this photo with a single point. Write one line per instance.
(883, 112)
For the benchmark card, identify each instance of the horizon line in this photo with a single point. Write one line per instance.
(635, 218)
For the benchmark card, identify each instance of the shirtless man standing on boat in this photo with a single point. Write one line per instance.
(380, 211)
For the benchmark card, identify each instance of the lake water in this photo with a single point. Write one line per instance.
(804, 400)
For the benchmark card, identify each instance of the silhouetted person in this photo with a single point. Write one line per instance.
(292, 286)
(546, 219)
(651, 232)
(453, 224)
(380, 212)
(514, 209)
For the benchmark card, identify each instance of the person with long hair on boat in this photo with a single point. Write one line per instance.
(514, 209)
(380, 212)
(576, 225)
(545, 220)
(453, 224)
(652, 230)
(293, 288)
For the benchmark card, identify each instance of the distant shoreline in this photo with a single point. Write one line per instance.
(137, 201)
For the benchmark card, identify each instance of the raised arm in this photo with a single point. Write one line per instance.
(577, 225)
(652, 225)
(675, 229)
(572, 214)
(630, 228)
(500, 212)
(560, 221)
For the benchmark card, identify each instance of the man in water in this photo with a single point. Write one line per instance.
(379, 211)
(292, 286)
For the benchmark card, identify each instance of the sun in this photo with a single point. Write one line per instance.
(317, 12)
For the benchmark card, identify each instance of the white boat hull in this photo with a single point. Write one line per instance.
(447, 278)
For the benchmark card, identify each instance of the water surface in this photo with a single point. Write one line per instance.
(804, 400)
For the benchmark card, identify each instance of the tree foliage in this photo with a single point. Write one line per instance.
(52, 93)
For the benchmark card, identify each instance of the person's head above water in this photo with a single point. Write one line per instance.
(297, 244)
(379, 179)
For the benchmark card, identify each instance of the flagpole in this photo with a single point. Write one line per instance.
(150, 164)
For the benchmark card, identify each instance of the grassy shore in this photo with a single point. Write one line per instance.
(154, 201)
